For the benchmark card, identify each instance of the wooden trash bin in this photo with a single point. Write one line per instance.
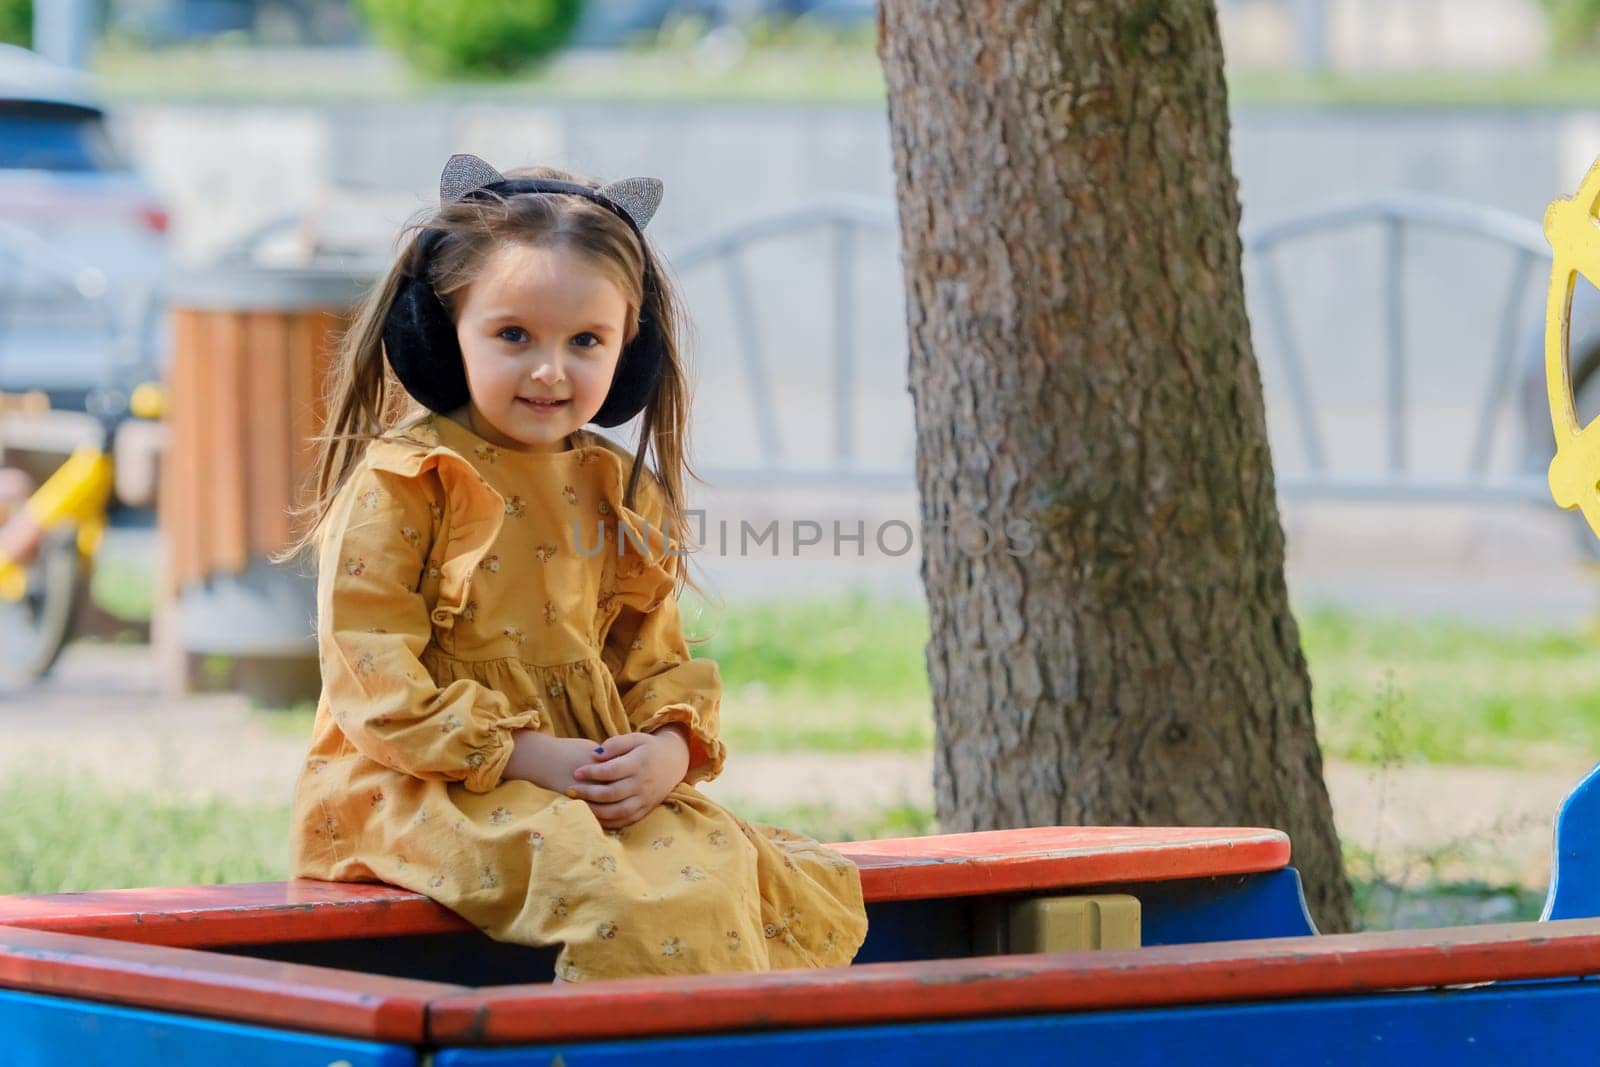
(251, 347)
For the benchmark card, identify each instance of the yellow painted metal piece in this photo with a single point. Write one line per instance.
(13, 581)
(77, 492)
(149, 401)
(1070, 924)
(1571, 227)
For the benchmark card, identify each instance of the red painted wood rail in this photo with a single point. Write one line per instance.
(318, 998)
(1221, 971)
(288, 995)
(912, 868)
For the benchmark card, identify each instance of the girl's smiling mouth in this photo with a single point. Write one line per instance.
(541, 405)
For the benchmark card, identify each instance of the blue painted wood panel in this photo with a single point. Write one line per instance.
(1550, 1024)
(47, 1031)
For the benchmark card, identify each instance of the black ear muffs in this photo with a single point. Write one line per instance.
(420, 339)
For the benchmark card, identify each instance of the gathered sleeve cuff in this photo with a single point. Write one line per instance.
(372, 625)
(658, 681)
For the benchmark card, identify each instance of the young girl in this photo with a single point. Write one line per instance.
(510, 721)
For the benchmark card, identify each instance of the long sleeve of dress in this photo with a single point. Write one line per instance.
(656, 677)
(373, 623)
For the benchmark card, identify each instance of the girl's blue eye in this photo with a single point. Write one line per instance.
(521, 336)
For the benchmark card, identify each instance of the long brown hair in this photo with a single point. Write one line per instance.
(364, 400)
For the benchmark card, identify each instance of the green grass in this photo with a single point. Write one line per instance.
(827, 823)
(62, 835)
(869, 646)
(847, 674)
(1448, 692)
(838, 674)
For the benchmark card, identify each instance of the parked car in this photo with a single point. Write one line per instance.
(83, 240)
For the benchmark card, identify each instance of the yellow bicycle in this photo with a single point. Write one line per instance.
(48, 541)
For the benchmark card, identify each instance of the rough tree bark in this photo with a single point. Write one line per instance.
(1087, 402)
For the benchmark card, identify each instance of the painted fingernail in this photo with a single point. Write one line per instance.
(601, 751)
(572, 794)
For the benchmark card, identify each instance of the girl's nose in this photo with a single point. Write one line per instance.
(548, 370)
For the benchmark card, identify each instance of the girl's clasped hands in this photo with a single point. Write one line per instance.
(622, 780)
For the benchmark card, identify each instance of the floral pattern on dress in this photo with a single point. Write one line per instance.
(492, 552)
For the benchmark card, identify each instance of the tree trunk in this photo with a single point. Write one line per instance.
(1121, 651)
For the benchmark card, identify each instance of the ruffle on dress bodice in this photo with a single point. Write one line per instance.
(641, 569)
(454, 606)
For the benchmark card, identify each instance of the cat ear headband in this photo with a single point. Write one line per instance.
(420, 338)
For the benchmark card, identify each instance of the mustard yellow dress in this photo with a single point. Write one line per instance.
(466, 591)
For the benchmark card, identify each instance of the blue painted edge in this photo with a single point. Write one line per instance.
(1575, 855)
(1225, 908)
(39, 1029)
(1549, 1023)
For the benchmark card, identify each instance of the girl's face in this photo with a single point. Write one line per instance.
(536, 325)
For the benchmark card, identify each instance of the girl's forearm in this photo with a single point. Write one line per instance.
(533, 758)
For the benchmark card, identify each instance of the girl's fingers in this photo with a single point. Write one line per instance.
(606, 792)
(622, 812)
(620, 745)
(610, 771)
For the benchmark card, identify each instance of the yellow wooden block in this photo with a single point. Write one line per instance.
(1068, 924)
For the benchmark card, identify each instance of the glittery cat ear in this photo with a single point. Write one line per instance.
(462, 174)
(639, 197)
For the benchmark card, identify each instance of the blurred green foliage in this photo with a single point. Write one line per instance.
(1573, 24)
(16, 22)
(472, 38)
